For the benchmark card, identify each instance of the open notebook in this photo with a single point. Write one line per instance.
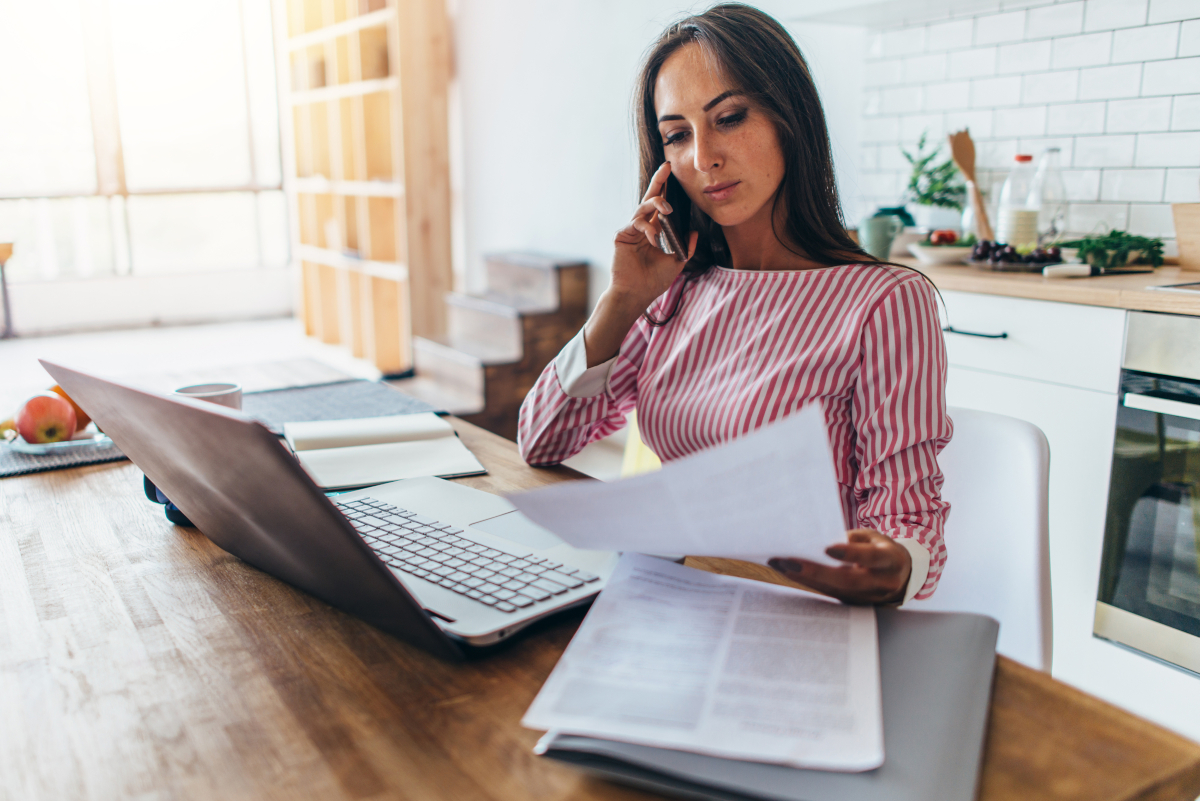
(344, 454)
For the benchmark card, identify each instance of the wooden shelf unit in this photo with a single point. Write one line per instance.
(363, 98)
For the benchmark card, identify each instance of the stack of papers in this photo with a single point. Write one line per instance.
(678, 658)
(345, 454)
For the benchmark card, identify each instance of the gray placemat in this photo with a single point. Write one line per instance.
(339, 400)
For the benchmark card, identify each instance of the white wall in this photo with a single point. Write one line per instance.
(1114, 83)
(548, 158)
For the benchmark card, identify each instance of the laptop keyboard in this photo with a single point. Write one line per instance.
(439, 553)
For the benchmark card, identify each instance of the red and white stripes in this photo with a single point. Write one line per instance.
(748, 348)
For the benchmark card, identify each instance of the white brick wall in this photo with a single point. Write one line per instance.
(1114, 83)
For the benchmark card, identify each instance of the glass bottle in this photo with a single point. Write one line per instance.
(1018, 220)
(1049, 195)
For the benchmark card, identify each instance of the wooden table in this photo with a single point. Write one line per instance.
(138, 660)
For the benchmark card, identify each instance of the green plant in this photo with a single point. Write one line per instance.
(933, 184)
(1113, 249)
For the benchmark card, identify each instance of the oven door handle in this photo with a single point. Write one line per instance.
(949, 329)
(1149, 403)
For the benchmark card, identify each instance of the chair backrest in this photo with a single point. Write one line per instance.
(997, 535)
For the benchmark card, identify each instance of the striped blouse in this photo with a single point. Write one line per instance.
(748, 348)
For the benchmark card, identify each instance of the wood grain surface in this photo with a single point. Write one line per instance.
(138, 660)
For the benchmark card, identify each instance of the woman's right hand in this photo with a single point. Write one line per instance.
(641, 271)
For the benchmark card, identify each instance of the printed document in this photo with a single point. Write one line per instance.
(769, 493)
(678, 658)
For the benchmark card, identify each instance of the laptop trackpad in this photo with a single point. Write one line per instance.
(519, 528)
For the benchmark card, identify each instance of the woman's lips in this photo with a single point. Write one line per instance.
(719, 192)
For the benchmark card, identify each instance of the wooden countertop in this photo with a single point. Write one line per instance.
(1116, 291)
(138, 659)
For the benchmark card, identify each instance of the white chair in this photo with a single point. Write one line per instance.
(997, 536)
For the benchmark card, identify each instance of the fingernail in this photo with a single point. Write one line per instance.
(667, 206)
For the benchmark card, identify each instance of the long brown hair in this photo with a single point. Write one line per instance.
(761, 61)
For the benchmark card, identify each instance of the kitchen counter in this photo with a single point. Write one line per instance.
(1116, 291)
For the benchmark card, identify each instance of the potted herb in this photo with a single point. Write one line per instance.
(1117, 248)
(934, 189)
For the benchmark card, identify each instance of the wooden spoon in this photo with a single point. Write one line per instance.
(962, 150)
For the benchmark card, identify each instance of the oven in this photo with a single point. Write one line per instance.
(1149, 593)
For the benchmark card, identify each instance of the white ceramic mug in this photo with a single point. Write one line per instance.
(221, 394)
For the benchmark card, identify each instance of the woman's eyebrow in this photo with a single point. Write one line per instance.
(707, 106)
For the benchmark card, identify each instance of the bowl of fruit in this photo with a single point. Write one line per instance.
(50, 423)
(942, 247)
(1002, 257)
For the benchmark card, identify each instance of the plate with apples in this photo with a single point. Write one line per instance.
(51, 423)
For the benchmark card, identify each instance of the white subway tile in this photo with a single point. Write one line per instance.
(1153, 219)
(1082, 185)
(1104, 15)
(881, 184)
(1183, 186)
(1189, 38)
(1148, 43)
(921, 69)
(1095, 218)
(888, 72)
(890, 158)
(1104, 151)
(872, 102)
(1167, 150)
(995, 154)
(979, 123)
(1102, 83)
(1007, 5)
(1135, 116)
(875, 45)
(913, 125)
(1177, 77)
(1023, 57)
(1029, 121)
(881, 129)
(900, 99)
(1050, 87)
(996, 92)
(1140, 185)
(1082, 51)
(1171, 10)
(973, 63)
(946, 96)
(1076, 118)
(952, 35)
(868, 157)
(1056, 20)
(1186, 115)
(993, 28)
(904, 41)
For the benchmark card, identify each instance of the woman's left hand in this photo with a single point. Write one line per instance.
(876, 570)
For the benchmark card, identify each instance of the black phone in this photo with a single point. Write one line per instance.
(676, 225)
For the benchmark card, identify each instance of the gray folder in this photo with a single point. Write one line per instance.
(936, 669)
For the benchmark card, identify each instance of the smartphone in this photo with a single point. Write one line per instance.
(676, 226)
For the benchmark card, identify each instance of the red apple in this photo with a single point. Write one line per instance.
(46, 418)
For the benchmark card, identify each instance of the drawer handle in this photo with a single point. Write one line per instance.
(952, 330)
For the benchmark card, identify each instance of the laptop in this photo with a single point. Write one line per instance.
(445, 567)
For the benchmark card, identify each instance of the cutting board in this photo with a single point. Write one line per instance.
(1187, 234)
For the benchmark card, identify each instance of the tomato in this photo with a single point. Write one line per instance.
(943, 237)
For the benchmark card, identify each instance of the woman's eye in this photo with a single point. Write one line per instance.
(675, 138)
(730, 120)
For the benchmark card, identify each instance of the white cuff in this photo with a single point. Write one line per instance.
(574, 376)
(920, 567)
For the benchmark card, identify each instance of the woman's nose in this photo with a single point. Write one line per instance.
(706, 156)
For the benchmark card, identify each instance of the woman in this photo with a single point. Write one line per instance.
(776, 308)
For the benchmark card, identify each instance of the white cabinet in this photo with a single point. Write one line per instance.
(1059, 369)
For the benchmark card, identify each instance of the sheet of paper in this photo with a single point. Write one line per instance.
(678, 658)
(365, 431)
(769, 493)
